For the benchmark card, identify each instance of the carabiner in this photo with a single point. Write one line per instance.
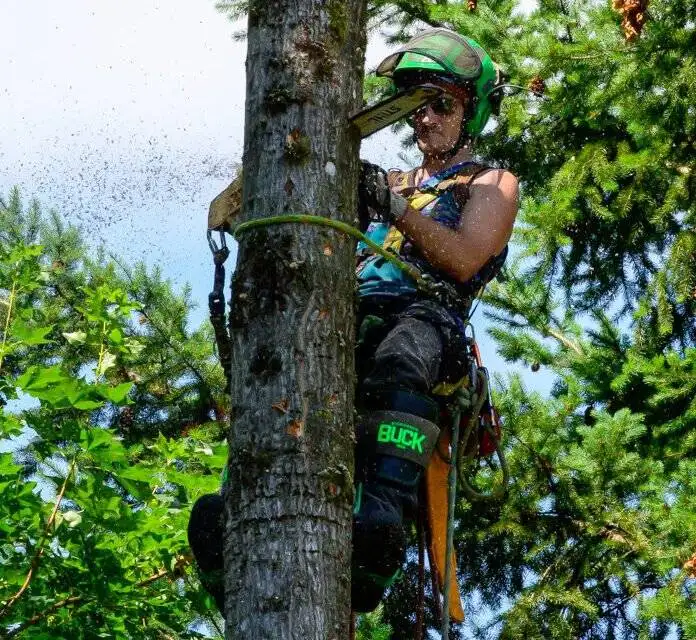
(219, 253)
(213, 245)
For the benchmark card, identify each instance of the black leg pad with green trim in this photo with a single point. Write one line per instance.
(394, 448)
(398, 434)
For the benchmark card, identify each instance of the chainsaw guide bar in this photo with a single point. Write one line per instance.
(396, 107)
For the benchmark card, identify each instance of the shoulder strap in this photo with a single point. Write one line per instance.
(459, 169)
(462, 184)
(465, 175)
(460, 175)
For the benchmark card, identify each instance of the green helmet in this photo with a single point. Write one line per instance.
(444, 55)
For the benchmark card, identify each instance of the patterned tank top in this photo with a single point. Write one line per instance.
(436, 198)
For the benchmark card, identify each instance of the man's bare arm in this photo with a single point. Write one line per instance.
(485, 227)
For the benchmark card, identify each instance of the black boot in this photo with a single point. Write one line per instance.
(394, 448)
(205, 536)
(380, 519)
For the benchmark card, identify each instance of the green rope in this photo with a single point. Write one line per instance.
(462, 404)
(464, 483)
(339, 226)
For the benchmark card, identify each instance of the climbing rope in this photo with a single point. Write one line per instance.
(463, 403)
(465, 484)
(216, 299)
(339, 226)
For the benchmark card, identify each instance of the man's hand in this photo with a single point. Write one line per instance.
(373, 191)
(375, 195)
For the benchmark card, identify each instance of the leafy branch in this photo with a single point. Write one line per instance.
(40, 547)
(181, 563)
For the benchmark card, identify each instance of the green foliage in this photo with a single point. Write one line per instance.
(371, 627)
(595, 535)
(178, 382)
(92, 524)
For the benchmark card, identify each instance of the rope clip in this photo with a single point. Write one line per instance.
(220, 253)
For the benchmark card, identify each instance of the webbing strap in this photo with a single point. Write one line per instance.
(216, 307)
(433, 181)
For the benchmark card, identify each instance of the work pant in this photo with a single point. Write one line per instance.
(419, 345)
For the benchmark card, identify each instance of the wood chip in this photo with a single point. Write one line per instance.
(295, 429)
(281, 405)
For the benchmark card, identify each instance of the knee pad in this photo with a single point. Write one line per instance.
(394, 447)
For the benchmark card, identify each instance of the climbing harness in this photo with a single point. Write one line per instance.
(216, 299)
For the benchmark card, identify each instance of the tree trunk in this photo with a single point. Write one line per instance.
(290, 491)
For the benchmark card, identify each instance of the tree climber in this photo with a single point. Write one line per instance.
(450, 219)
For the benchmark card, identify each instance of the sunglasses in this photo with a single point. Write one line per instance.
(442, 106)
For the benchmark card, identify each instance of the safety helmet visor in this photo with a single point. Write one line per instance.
(440, 51)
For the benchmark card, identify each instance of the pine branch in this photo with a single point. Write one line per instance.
(562, 339)
(542, 463)
(564, 10)
(626, 599)
(163, 334)
(604, 54)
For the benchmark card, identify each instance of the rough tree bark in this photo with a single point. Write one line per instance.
(289, 496)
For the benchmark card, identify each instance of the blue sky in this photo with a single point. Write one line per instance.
(128, 119)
